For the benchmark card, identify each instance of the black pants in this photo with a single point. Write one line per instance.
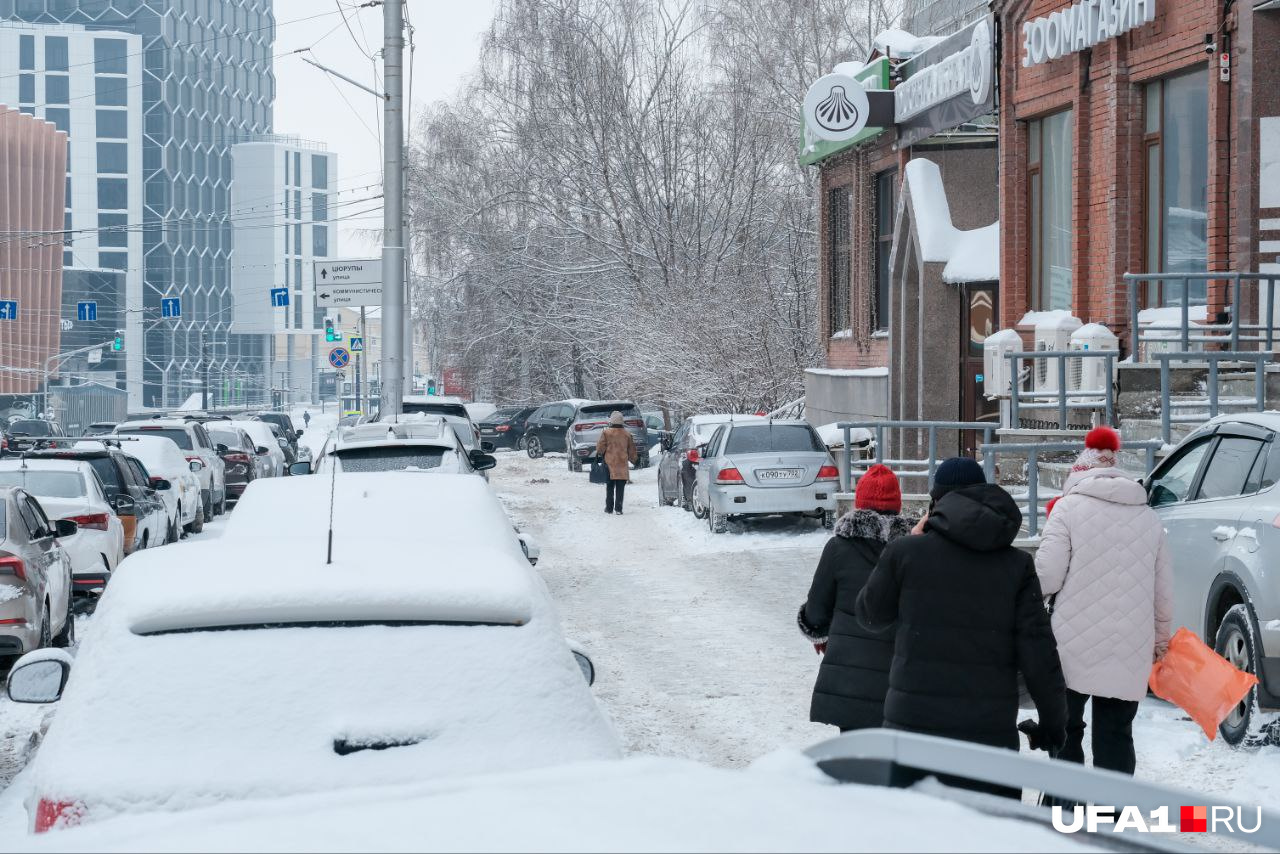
(613, 495)
(1112, 732)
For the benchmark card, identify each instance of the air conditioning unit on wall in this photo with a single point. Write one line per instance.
(1090, 375)
(1053, 334)
(996, 381)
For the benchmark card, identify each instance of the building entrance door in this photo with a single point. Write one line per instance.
(977, 321)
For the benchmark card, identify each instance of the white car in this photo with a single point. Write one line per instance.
(196, 445)
(163, 459)
(423, 443)
(254, 667)
(71, 489)
(272, 462)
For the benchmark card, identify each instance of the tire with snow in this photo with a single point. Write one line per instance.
(717, 522)
(575, 464)
(46, 629)
(695, 504)
(1236, 643)
(196, 525)
(663, 500)
(829, 519)
(65, 638)
(520, 443)
(533, 447)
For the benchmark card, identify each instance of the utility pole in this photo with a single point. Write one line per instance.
(362, 376)
(393, 254)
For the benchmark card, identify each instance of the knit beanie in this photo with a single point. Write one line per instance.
(878, 489)
(956, 473)
(1100, 447)
(615, 418)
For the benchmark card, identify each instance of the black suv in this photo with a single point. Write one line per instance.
(505, 426)
(23, 434)
(547, 426)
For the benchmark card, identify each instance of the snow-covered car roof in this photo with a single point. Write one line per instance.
(722, 418)
(427, 430)
(156, 452)
(434, 398)
(1269, 419)
(780, 803)
(44, 464)
(154, 422)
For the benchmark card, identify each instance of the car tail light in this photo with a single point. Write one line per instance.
(730, 475)
(502, 428)
(50, 813)
(13, 621)
(587, 425)
(13, 566)
(828, 473)
(634, 422)
(235, 457)
(693, 456)
(96, 521)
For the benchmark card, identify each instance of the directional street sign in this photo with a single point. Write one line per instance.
(87, 310)
(349, 281)
(357, 344)
(279, 297)
(8, 309)
(171, 307)
(339, 356)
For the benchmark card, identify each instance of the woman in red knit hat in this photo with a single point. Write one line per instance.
(854, 675)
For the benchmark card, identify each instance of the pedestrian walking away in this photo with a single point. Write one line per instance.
(969, 617)
(618, 450)
(306, 419)
(854, 675)
(1104, 564)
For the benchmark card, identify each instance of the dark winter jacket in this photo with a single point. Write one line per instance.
(969, 617)
(854, 675)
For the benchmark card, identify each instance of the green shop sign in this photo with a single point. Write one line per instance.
(813, 150)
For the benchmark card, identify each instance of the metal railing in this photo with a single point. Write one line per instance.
(904, 468)
(1032, 451)
(1233, 333)
(1062, 398)
(1213, 401)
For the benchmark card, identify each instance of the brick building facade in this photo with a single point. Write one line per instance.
(1135, 155)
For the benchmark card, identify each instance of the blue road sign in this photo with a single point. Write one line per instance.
(171, 307)
(357, 344)
(87, 310)
(339, 356)
(279, 297)
(8, 309)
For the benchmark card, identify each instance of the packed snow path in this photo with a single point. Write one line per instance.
(693, 634)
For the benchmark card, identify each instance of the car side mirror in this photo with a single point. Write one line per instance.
(124, 505)
(282, 442)
(159, 484)
(39, 676)
(196, 465)
(222, 449)
(702, 451)
(480, 461)
(262, 450)
(584, 664)
(487, 447)
(65, 528)
(302, 467)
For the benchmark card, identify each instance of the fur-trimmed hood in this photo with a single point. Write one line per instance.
(871, 525)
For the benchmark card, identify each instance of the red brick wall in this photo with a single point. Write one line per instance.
(1104, 86)
(856, 169)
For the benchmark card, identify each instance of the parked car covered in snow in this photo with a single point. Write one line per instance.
(238, 452)
(764, 468)
(23, 434)
(1216, 493)
(193, 441)
(35, 576)
(72, 490)
(166, 465)
(678, 465)
(270, 458)
(423, 443)
(255, 667)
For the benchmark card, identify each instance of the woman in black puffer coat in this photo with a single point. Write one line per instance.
(854, 676)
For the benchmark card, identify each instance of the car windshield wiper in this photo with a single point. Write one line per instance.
(322, 624)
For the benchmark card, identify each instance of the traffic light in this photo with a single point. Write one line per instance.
(329, 333)
(118, 344)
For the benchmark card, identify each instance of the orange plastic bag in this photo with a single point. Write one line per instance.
(1199, 681)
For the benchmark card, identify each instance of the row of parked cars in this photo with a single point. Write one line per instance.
(571, 427)
(72, 508)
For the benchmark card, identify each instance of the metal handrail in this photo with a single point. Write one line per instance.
(987, 429)
(1213, 358)
(1032, 451)
(1269, 330)
(1016, 395)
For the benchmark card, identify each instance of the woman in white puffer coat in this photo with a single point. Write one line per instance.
(1104, 561)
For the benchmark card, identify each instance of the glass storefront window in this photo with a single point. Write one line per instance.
(840, 259)
(1176, 122)
(886, 184)
(1049, 185)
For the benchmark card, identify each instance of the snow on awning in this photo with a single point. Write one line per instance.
(969, 256)
(901, 44)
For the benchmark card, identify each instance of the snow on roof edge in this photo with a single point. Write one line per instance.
(969, 256)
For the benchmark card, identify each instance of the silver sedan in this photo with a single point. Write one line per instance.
(765, 468)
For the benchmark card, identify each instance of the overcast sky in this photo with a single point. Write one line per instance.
(348, 120)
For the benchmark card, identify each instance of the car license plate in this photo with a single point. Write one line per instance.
(779, 474)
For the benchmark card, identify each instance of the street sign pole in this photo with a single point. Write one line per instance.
(393, 254)
(361, 376)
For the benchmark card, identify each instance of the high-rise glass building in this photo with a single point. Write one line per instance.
(207, 84)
